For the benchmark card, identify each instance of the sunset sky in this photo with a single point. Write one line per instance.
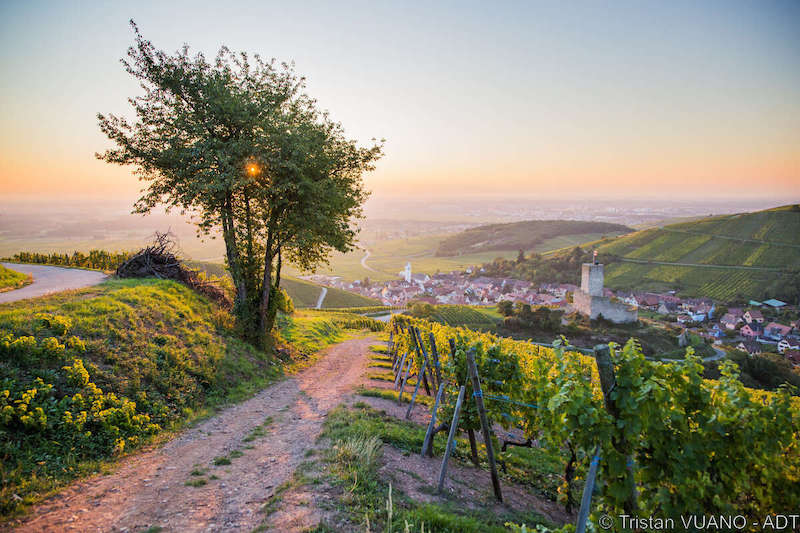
(652, 99)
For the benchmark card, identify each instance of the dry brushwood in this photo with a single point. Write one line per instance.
(161, 260)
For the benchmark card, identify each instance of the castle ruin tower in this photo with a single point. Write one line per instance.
(592, 279)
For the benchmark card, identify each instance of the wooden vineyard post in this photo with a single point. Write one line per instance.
(405, 379)
(435, 354)
(605, 368)
(473, 447)
(399, 370)
(390, 346)
(416, 388)
(451, 438)
(487, 431)
(586, 500)
(419, 345)
(427, 445)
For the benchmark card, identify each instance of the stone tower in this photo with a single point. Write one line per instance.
(592, 279)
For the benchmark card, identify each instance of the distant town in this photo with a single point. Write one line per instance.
(754, 328)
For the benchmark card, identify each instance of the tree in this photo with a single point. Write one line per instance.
(505, 308)
(236, 143)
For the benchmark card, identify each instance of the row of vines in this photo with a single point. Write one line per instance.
(95, 259)
(682, 444)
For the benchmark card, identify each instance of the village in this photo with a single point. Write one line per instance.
(755, 328)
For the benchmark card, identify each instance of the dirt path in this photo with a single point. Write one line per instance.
(47, 279)
(149, 489)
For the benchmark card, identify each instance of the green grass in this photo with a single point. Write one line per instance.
(389, 394)
(309, 331)
(11, 279)
(259, 431)
(155, 344)
(357, 435)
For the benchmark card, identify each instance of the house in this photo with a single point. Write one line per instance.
(753, 315)
(736, 312)
(717, 331)
(793, 356)
(667, 308)
(750, 347)
(776, 331)
(752, 331)
(684, 319)
(789, 343)
(729, 321)
(647, 301)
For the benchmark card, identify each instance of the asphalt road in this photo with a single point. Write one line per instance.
(48, 279)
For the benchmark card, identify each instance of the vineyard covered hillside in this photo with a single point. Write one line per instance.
(667, 442)
(526, 235)
(731, 257)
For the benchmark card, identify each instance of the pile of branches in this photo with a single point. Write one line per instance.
(161, 260)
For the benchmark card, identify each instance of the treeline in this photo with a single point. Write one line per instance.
(561, 267)
(95, 259)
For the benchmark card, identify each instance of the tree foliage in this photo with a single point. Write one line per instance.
(237, 143)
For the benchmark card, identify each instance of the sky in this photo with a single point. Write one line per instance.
(679, 99)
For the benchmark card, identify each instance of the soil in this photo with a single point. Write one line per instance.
(255, 490)
(150, 489)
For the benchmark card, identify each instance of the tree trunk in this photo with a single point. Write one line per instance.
(266, 288)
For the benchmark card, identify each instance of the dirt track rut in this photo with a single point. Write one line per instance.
(149, 489)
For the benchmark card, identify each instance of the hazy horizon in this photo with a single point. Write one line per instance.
(532, 100)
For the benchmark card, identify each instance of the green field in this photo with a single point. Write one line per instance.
(526, 235)
(303, 293)
(388, 258)
(732, 257)
(11, 279)
(468, 316)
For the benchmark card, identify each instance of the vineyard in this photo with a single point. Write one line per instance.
(95, 259)
(661, 440)
(458, 315)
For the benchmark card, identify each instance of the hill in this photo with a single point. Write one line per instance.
(11, 279)
(729, 258)
(526, 235)
(86, 375)
(303, 293)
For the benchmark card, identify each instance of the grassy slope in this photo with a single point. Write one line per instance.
(767, 239)
(303, 293)
(154, 342)
(11, 279)
(306, 294)
(522, 235)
